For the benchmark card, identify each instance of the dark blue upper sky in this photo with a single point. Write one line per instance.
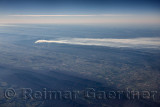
(78, 6)
(93, 11)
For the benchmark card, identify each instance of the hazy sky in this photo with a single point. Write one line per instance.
(80, 11)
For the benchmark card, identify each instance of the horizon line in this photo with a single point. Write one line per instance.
(69, 15)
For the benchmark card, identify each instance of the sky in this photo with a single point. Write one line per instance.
(80, 11)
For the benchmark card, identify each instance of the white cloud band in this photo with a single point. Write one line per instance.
(109, 42)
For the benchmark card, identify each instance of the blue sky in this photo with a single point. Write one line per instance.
(77, 6)
(9, 8)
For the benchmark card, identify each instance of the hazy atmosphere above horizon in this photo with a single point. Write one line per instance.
(79, 12)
